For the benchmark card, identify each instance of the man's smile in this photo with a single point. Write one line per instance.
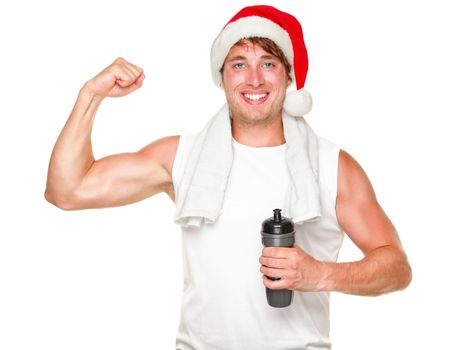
(255, 98)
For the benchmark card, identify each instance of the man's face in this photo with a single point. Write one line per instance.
(255, 83)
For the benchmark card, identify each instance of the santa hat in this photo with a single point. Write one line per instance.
(280, 27)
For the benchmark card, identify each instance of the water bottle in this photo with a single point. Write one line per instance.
(278, 231)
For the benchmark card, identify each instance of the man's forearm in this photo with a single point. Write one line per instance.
(383, 270)
(72, 154)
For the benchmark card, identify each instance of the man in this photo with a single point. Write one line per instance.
(256, 154)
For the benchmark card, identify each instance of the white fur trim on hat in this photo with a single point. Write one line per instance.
(252, 26)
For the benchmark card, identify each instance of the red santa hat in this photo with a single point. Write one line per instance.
(280, 27)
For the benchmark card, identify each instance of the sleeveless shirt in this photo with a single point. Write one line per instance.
(224, 304)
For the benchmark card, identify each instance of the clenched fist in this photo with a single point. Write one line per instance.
(118, 79)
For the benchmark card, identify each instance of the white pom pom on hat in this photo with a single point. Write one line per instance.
(298, 103)
(282, 28)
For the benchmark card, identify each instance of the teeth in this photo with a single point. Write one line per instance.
(255, 97)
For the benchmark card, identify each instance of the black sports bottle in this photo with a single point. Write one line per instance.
(277, 231)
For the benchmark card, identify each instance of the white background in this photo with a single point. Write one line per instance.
(389, 85)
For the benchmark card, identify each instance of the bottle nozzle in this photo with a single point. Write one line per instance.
(277, 215)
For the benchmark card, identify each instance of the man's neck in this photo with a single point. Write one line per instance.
(259, 135)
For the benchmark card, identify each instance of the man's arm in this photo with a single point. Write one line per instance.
(77, 181)
(383, 269)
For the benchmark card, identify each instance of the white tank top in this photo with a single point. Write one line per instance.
(224, 304)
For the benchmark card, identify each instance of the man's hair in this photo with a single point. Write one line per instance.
(270, 47)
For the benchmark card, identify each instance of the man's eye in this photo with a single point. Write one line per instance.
(268, 65)
(239, 65)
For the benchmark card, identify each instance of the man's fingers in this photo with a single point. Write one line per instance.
(129, 75)
(137, 71)
(132, 66)
(124, 75)
(278, 263)
(277, 284)
(275, 252)
(125, 90)
(119, 79)
(125, 72)
(140, 79)
(272, 272)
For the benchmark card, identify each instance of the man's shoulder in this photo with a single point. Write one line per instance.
(162, 151)
(163, 145)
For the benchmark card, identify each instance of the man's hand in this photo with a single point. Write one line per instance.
(119, 79)
(296, 269)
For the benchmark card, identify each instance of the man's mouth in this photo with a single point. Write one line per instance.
(255, 98)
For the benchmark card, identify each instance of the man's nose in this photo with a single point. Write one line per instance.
(255, 77)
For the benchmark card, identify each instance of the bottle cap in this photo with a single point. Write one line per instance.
(277, 224)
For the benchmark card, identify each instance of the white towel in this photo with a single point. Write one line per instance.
(202, 188)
